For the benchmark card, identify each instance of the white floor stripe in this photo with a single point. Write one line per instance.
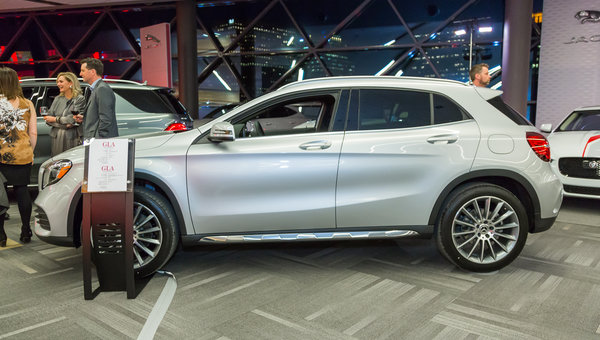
(360, 325)
(231, 291)
(207, 280)
(54, 250)
(56, 272)
(22, 330)
(279, 320)
(68, 257)
(24, 268)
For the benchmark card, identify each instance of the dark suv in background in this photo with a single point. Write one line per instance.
(140, 109)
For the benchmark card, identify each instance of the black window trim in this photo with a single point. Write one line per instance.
(335, 93)
(356, 104)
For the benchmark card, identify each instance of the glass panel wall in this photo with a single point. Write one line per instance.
(264, 44)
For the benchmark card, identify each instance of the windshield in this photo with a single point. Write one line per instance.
(581, 121)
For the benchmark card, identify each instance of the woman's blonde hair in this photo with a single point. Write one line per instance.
(71, 78)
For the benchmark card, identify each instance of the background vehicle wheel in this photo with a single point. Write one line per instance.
(483, 227)
(155, 233)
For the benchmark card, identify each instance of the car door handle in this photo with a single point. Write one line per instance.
(442, 139)
(318, 144)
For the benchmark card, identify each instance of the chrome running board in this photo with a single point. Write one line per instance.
(375, 234)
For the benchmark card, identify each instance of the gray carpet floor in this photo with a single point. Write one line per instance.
(340, 290)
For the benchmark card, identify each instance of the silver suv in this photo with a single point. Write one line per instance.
(334, 158)
(139, 108)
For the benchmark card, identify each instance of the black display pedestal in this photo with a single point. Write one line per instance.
(107, 217)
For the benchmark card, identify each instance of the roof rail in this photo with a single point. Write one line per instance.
(37, 79)
(81, 80)
(125, 81)
(298, 83)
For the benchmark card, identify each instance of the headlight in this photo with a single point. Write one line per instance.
(54, 171)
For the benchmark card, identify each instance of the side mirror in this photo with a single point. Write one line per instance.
(546, 127)
(221, 132)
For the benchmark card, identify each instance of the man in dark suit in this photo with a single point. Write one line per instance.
(99, 120)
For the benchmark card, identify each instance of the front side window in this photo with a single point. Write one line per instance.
(581, 121)
(303, 115)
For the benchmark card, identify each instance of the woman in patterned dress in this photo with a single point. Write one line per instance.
(18, 135)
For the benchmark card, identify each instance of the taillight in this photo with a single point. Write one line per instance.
(539, 145)
(176, 127)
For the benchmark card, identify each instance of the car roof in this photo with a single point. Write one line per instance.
(587, 108)
(344, 81)
(118, 83)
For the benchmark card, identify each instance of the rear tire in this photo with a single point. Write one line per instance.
(155, 232)
(482, 228)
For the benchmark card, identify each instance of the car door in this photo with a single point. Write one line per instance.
(279, 174)
(400, 150)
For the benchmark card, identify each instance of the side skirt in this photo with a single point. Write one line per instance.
(317, 235)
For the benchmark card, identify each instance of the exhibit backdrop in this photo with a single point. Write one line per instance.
(569, 58)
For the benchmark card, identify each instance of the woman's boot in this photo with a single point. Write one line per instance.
(2, 236)
(25, 234)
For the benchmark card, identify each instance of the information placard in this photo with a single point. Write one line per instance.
(107, 167)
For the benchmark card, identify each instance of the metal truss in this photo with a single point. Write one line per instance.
(316, 48)
(67, 57)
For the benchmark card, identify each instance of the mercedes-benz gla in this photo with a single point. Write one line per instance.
(334, 158)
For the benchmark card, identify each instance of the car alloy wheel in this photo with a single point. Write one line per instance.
(483, 227)
(155, 233)
(147, 235)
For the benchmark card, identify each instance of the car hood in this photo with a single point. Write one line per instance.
(143, 141)
(151, 140)
(574, 144)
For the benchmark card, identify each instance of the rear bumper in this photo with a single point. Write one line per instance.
(542, 224)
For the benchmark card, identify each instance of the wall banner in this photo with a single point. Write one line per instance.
(569, 59)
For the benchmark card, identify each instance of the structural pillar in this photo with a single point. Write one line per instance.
(515, 53)
(187, 55)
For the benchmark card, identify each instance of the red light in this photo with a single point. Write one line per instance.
(593, 138)
(96, 55)
(176, 127)
(539, 145)
(125, 10)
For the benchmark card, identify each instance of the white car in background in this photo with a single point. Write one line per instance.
(576, 148)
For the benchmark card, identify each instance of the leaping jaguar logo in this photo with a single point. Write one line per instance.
(585, 16)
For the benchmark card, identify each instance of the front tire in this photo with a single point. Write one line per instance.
(155, 233)
(482, 228)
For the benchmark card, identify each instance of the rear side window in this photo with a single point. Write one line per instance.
(393, 109)
(445, 111)
(140, 101)
(581, 121)
(508, 111)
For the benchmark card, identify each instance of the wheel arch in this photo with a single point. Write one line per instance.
(142, 179)
(154, 183)
(514, 182)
